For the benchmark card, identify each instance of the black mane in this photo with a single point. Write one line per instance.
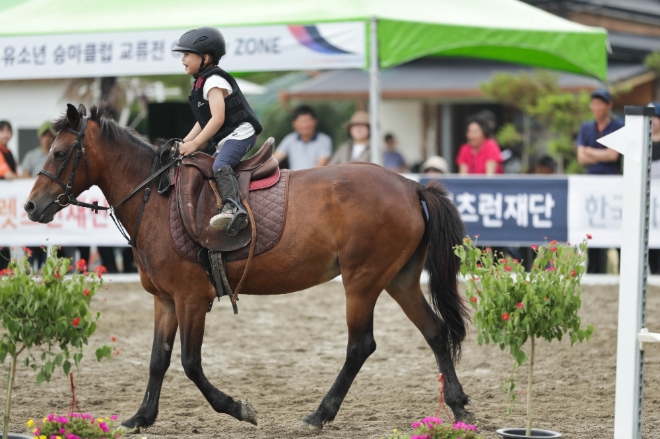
(110, 130)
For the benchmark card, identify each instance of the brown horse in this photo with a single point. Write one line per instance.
(358, 220)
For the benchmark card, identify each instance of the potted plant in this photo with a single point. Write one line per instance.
(49, 314)
(513, 307)
(435, 428)
(76, 426)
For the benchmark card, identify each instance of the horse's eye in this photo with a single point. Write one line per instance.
(59, 155)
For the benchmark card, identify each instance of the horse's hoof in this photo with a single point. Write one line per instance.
(468, 418)
(248, 414)
(304, 425)
(124, 430)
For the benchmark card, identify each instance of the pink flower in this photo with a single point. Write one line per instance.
(114, 417)
(63, 419)
(505, 317)
(62, 430)
(104, 427)
(520, 305)
(535, 247)
(503, 261)
(553, 242)
(551, 269)
(415, 424)
(553, 249)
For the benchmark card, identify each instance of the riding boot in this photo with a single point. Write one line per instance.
(232, 217)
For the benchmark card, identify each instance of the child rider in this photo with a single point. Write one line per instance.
(224, 119)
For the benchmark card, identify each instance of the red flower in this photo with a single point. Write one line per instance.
(86, 292)
(10, 272)
(535, 247)
(70, 268)
(507, 268)
(515, 261)
(81, 265)
(589, 236)
(76, 321)
(520, 305)
(553, 242)
(573, 273)
(505, 317)
(57, 276)
(114, 339)
(27, 251)
(474, 299)
(551, 269)
(3, 272)
(100, 270)
(42, 247)
(503, 261)
(553, 249)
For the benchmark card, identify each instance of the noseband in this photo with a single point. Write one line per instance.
(66, 198)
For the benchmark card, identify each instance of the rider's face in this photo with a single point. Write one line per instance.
(191, 62)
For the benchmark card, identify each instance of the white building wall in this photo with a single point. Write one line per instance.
(404, 120)
(28, 104)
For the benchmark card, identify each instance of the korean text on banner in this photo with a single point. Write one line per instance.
(249, 49)
(511, 211)
(72, 225)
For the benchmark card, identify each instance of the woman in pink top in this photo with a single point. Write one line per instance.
(480, 155)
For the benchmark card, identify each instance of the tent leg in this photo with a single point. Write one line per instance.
(374, 94)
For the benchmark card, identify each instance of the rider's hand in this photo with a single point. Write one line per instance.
(187, 148)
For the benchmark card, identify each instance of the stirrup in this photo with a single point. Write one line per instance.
(237, 223)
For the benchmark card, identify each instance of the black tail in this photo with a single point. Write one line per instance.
(445, 230)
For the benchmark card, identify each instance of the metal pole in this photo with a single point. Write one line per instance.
(634, 269)
(447, 124)
(374, 94)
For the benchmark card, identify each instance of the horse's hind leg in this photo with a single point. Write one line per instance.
(164, 332)
(191, 315)
(361, 344)
(406, 290)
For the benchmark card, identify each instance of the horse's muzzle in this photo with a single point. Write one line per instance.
(43, 212)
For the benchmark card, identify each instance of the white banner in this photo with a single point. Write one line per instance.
(249, 49)
(595, 206)
(72, 225)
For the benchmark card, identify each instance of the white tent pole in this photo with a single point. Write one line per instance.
(374, 94)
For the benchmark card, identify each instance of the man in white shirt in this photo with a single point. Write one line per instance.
(306, 147)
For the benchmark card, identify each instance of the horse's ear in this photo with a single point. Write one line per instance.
(72, 116)
(82, 110)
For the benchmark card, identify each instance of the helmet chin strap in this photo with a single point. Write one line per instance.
(202, 67)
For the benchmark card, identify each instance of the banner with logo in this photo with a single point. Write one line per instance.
(249, 49)
(504, 211)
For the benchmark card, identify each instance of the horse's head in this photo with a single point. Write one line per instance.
(70, 168)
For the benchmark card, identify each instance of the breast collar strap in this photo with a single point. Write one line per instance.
(66, 198)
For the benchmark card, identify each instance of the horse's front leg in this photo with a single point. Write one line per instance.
(192, 314)
(164, 332)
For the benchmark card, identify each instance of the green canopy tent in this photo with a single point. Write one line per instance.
(395, 31)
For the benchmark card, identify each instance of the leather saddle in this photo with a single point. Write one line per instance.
(196, 195)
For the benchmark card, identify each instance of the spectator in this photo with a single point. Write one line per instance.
(597, 158)
(306, 148)
(357, 147)
(391, 158)
(34, 160)
(546, 165)
(434, 165)
(7, 162)
(655, 138)
(481, 154)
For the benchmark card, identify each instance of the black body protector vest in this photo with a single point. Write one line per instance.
(237, 109)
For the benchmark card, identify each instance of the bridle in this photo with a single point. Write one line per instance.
(66, 198)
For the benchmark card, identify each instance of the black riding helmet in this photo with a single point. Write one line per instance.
(202, 40)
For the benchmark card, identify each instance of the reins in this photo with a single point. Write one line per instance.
(67, 198)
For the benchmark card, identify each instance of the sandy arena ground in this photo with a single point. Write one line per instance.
(283, 353)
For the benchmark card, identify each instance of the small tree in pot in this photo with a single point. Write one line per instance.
(47, 317)
(513, 307)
